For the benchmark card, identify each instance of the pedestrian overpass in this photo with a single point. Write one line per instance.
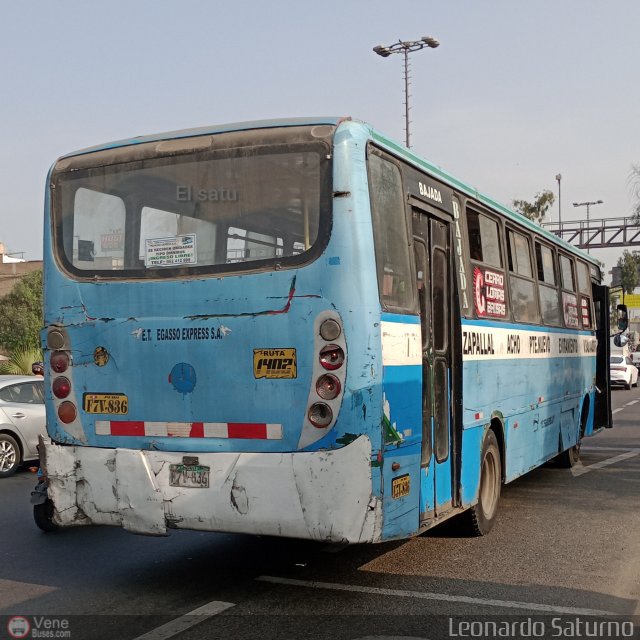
(598, 234)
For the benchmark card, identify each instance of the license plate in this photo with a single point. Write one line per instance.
(400, 486)
(109, 403)
(189, 475)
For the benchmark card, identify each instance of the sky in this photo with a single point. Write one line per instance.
(517, 92)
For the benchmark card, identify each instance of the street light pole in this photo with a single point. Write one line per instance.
(406, 47)
(587, 204)
(558, 178)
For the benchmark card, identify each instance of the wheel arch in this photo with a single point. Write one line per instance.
(585, 413)
(497, 426)
(9, 431)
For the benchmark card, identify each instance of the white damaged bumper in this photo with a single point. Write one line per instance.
(323, 495)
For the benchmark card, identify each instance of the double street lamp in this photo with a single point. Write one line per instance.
(405, 47)
(587, 204)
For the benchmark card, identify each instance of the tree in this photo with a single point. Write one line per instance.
(629, 263)
(21, 361)
(537, 209)
(21, 314)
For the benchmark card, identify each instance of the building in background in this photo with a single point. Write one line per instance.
(12, 269)
(8, 258)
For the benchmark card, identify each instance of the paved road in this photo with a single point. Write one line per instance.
(566, 548)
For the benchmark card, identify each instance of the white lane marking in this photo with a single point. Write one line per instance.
(425, 595)
(597, 448)
(631, 403)
(580, 469)
(186, 621)
(616, 411)
(14, 593)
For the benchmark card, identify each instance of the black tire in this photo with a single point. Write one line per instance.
(569, 458)
(479, 519)
(627, 386)
(10, 456)
(43, 516)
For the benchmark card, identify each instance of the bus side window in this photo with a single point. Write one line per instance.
(484, 239)
(584, 287)
(390, 233)
(243, 246)
(569, 298)
(158, 223)
(490, 289)
(547, 287)
(566, 271)
(98, 230)
(524, 303)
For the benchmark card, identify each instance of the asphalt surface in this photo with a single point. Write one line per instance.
(564, 553)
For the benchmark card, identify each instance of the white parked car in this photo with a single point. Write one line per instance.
(22, 420)
(623, 372)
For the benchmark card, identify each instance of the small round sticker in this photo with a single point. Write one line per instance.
(183, 377)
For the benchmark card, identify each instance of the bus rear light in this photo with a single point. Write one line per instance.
(328, 387)
(67, 412)
(61, 387)
(55, 339)
(331, 357)
(320, 415)
(60, 361)
(330, 330)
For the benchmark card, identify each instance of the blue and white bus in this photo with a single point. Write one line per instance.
(300, 328)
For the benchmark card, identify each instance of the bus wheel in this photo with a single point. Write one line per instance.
(43, 515)
(481, 517)
(570, 457)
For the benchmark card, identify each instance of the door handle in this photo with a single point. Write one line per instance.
(17, 415)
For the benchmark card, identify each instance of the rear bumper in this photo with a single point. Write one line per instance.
(323, 495)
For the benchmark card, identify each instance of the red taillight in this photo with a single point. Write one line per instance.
(61, 387)
(331, 357)
(59, 361)
(328, 387)
(67, 412)
(320, 415)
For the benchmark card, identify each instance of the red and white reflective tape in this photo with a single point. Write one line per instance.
(478, 416)
(245, 430)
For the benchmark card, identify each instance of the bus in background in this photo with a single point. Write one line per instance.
(300, 328)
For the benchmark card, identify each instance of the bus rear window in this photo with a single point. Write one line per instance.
(227, 209)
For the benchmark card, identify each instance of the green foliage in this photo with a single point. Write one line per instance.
(21, 314)
(19, 364)
(629, 263)
(537, 209)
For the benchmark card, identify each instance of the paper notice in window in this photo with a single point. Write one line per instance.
(170, 252)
